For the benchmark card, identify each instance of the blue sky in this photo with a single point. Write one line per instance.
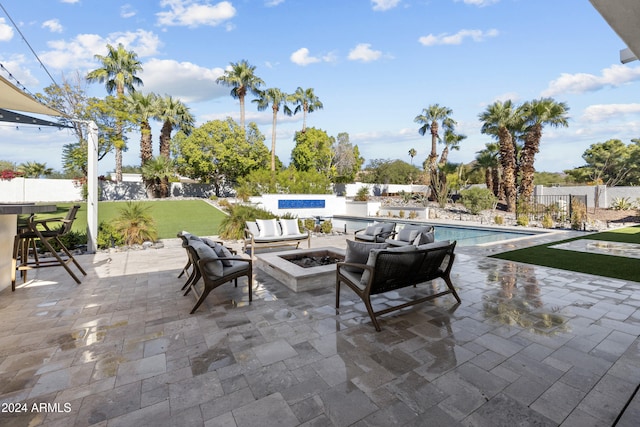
(375, 64)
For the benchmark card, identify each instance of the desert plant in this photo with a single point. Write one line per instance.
(232, 226)
(108, 236)
(578, 214)
(622, 204)
(401, 214)
(547, 221)
(326, 227)
(523, 220)
(413, 215)
(310, 224)
(362, 195)
(136, 224)
(477, 199)
(498, 219)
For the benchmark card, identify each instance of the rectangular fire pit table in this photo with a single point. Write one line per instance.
(296, 278)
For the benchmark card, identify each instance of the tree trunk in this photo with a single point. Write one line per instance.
(508, 160)
(531, 147)
(273, 141)
(165, 139)
(146, 145)
(242, 112)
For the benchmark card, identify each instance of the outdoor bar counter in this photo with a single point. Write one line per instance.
(8, 227)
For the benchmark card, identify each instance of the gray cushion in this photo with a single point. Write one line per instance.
(223, 252)
(373, 256)
(367, 237)
(236, 266)
(372, 230)
(408, 234)
(387, 227)
(212, 268)
(358, 253)
(424, 238)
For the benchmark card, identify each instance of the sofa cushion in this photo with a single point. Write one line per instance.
(424, 238)
(212, 268)
(223, 252)
(358, 253)
(372, 230)
(289, 227)
(268, 227)
(253, 228)
(373, 257)
(408, 234)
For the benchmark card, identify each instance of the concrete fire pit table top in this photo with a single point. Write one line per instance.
(296, 278)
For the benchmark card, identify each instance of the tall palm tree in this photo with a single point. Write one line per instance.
(412, 154)
(34, 169)
(174, 115)
(242, 79)
(144, 108)
(500, 119)
(537, 114)
(487, 161)
(276, 98)
(307, 102)
(451, 142)
(429, 120)
(118, 72)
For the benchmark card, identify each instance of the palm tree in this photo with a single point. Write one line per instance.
(174, 115)
(144, 107)
(429, 120)
(118, 72)
(537, 113)
(500, 119)
(487, 161)
(240, 76)
(276, 98)
(307, 102)
(412, 154)
(156, 173)
(34, 169)
(451, 142)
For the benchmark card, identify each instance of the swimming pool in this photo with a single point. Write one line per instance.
(464, 235)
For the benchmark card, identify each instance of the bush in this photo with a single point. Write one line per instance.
(362, 195)
(71, 240)
(498, 219)
(522, 220)
(135, 224)
(327, 226)
(622, 204)
(310, 224)
(108, 236)
(232, 226)
(401, 214)
(413, 215)
(578, 215)
(477, 199)
(547, 221)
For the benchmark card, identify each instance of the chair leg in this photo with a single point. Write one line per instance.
(184, 269)
(337, 294)
(205, 292)
(367, 303)
(70, 256)
(62, 262)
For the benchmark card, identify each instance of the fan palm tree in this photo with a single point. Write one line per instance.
(156, 173)
(451, 142)
(307, 102)
(242, 79)
(144, 108)
(34, 169)
(487, 161)
(276, 98)
(430, 120)
(412, 154)
(174, 115)
(537, 114)
(500, 120)
(118, 73)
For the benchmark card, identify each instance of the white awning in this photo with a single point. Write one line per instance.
(12, 98)
(623, 16)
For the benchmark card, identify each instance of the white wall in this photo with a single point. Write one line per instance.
(19, 190)
(379, 189)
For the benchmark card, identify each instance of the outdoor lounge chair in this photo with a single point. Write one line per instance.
(395, 268)
(45, 231)
(215, 270)
(376, 233)
(409, 233)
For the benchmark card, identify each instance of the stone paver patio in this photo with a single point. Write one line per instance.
(527, 346)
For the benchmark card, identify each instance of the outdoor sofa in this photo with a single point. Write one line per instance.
(273, 233)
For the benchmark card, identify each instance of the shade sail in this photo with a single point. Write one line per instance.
(623, 16)
(21, 119)
(12, 98)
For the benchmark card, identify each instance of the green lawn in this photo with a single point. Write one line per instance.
(602, 265)
(171, 216)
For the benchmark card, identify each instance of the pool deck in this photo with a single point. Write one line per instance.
(528, 345)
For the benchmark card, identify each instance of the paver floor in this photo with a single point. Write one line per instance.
(528, 346)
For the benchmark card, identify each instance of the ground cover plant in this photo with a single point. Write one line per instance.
(617, 267)
(170, 216)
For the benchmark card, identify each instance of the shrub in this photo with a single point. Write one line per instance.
(621, 204)
(477, 199)
(327, 226)
(224, 203)
(362, 195)
(547, 221)
(578, 214)
(498, 219)
(71, 240)
(108, 236)
(413, 215)
(310, 224)
(522, 220)
(401, 214)
(136, 224)
(232, 226)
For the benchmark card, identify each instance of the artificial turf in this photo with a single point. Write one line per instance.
(171, 216)
(617, 267)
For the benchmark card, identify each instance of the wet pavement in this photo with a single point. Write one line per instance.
(528, 346)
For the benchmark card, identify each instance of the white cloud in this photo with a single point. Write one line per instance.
(53, 25)
(614, 76)
(384, 4)
(79, 52)
(6, 31)
(603, 112)
(363, 52)
(272, 3)
(457, 38)
(302, 57)
(18, 67)
(184, 80)
(480, 3)
(70, 1)
(127, 11)
(191, 14)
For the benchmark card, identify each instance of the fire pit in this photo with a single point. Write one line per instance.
(319, 271)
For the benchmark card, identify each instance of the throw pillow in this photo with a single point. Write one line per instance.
(289, 227)
(253, 228)
(223, 252)
(407, 235)
(358, 253)
(213, 268)
(268, 227)
(424, 238)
